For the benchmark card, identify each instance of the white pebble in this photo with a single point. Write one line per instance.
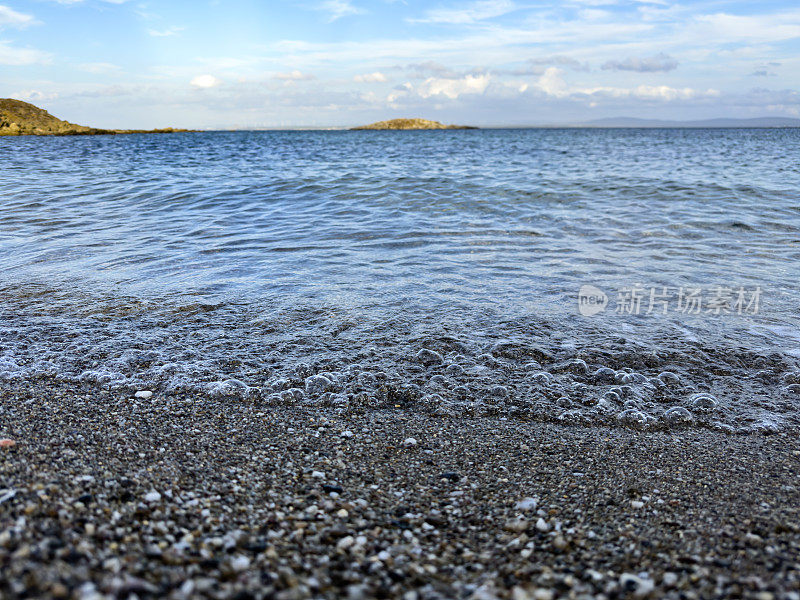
(409, 442)
(153, 496)
(527, 504)
(240, 563)
(317, 474)
(669, 579)
(640, 586)
(347, 434)
(143, 394)
(637, 504)
(542, 525)
(345, 542)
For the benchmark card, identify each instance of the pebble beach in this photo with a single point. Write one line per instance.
(110, 495)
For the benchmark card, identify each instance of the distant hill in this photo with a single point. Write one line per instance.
(398, 124)
(20, 118)
(707, 123)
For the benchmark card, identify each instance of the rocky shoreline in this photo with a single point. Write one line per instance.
(19, 118)
(409, 124)
(106, 495)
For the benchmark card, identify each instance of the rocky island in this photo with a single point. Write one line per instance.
(403, 124)
(20, 118)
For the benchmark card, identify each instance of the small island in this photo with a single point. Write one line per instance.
(410, 124)
(20, 118)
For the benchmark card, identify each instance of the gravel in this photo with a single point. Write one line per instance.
(107, 496)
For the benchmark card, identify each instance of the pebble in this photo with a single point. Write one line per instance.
(143, 394)
(317, 474)
(409, 442)
(7, 443)
(152, 497)
(520, 593)
(527, 504)
(346, 542)
(347, 434)
(542, 525)
(669, 579)
(240, 563)
(516, 525)
(638, 586)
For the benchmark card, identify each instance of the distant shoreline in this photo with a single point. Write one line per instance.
(18, 119)
(485, 128)
(385, 131)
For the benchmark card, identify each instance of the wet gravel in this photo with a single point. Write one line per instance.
(110, 495)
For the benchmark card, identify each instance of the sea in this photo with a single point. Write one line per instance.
(642, 278)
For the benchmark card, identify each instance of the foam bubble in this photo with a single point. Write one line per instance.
(703, 403)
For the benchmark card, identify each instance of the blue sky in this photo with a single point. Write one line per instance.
(251, 63)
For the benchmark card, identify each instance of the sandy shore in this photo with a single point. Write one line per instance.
(111, 496)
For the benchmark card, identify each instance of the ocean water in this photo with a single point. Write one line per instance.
(430, 271)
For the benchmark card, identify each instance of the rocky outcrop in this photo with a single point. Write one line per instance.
(20, 118)
(398, 124)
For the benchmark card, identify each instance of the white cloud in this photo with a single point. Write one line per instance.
(34, 96)
(667, 94)
(496, 61)
(11, 18)
(537, 66)
(376, 77)
(652, 64)
(205, 81)
(293, 76)
(453, 88)
(337, 9)
(496, 44)
(469, 13)
(659, 93)
(164, 32)
(9, 55)
(552, 83)
(768, 28)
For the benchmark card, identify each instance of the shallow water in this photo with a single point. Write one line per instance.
(250, 263)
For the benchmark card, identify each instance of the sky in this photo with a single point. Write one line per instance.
(319, 63)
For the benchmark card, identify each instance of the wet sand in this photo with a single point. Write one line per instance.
(106, 495)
